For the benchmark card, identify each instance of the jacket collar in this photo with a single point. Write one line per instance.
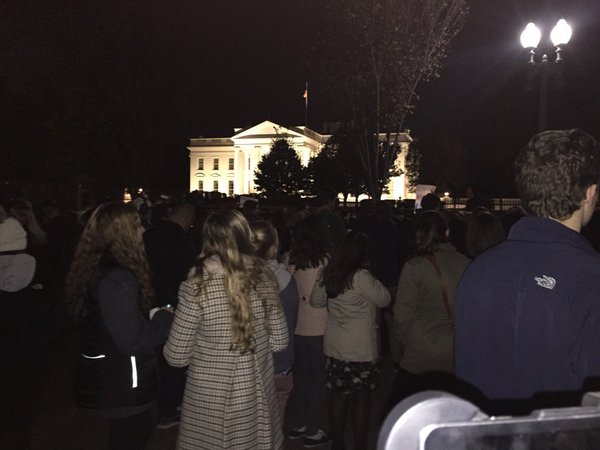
(544, 230)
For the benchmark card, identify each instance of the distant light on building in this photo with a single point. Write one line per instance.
(228, 164)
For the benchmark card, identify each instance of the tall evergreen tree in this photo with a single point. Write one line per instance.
(280, 173)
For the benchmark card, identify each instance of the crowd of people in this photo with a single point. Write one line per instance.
(231, 320)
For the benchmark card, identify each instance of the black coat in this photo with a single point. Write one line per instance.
(117, 363)
(171, 255)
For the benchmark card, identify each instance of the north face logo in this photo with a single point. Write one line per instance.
(546, 282)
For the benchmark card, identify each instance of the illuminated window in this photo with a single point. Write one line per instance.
(230, 188)
(215, 185)
(216, 164)
(200, 163)
(201, 185)
(230, 163)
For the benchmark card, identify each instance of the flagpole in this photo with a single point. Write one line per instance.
(306, 105)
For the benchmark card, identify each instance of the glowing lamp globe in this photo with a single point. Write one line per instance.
(561, 33)
(531, 35)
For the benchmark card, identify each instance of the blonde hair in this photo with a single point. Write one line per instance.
(264, 237)
(226, 234)
(114, 230)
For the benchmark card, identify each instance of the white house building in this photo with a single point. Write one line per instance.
(227, 164)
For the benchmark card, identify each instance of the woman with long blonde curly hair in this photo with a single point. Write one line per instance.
(227, 323)
(109, 295)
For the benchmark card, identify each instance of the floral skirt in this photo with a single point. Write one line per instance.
(349, 376)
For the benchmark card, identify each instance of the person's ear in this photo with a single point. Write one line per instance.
(273, 251)
(591, 193)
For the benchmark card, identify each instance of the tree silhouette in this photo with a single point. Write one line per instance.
(280, 173)
(385, 49)
(413, 164)
(338, 166)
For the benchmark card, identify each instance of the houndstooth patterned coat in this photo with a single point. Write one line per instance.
(229, 400)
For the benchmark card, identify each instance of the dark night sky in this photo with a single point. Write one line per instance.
(193, 68)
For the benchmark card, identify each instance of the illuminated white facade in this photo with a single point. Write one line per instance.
(228, 164)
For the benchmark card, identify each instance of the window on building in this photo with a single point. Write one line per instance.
(230, 163)
(215, 185)
(201, 185)
(200, 163)
(230, 188)
(216, 164)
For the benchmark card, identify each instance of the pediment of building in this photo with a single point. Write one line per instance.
(267, 130)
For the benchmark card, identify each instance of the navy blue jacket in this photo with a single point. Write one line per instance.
(528, 313)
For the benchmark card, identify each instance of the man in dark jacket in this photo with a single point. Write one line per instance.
(528, 310)
(171, 254)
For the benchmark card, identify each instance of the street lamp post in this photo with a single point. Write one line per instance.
(530, 38)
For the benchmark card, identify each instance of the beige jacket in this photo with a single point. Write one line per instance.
(351, 331)
(311, 321)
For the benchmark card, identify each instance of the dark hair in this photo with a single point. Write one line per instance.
(325, 195)
(311, 243)
(483, 231)
(479, 203)
(554, 171)
(457, 228)
(431, 231)
(338, 274)
(431, 202)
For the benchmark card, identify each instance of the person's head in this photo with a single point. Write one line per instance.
(311, 243)
(50, 209)
(556, 171)
(483, 231)
(226, 234)
(431, 230)
(183, 214)
(250, 209)
(326, 197)
(353, 255)
(354, 250)
(479, 203)
(143, 207)
(457, 230)
(21, 209)
(112, 235)
(115, 229)
(431, 202)
(265, 239)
